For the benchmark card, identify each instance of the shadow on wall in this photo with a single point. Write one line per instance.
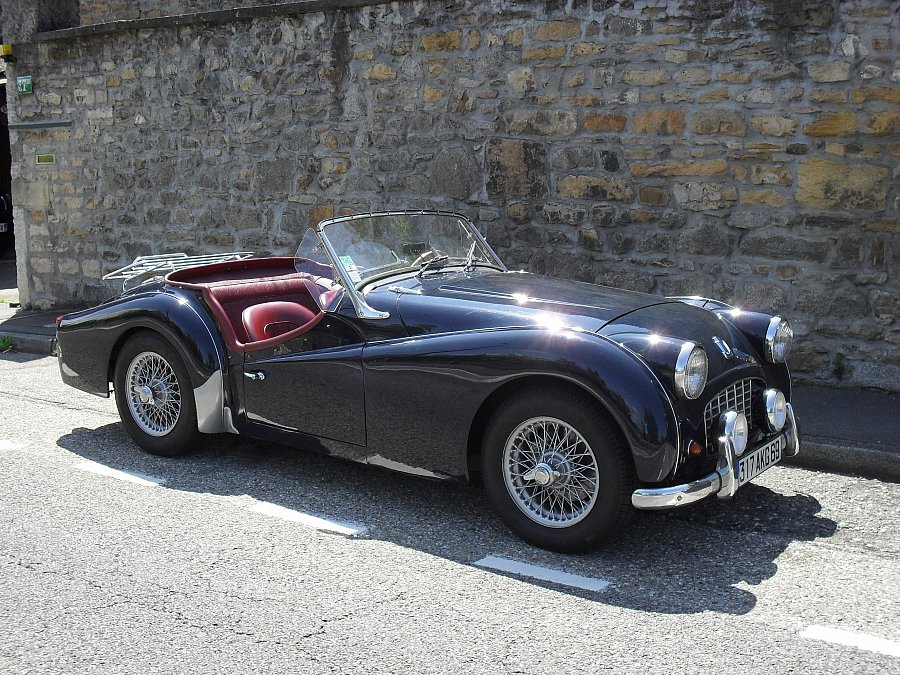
(680, 562)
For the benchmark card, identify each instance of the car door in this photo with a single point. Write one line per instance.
(312, 384)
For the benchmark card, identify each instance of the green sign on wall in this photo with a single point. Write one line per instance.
(23, 84)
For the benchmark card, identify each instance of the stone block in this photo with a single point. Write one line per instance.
(833, 124)
(659, 122)
(432, 93)
(521, 79)
(733, 77)
(886, 94)
(557, 30)
(645, 78)
(274, 176)
(455, 173)
(516, 168)
(543, 122)
(884, 123)
(541, 53)
(705, 239)
(704, 196)
(692, 76)
(718, 123)
(653, 196)
(824, 183)
(783, 247)
(829, 71)
(712, 167)
(771, 174)
(601, 122)
(380, 72)
(773, 125)
(762, 198)
(587, 49)
(593, 187)
(442, 42)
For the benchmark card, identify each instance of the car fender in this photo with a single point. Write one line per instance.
(89, 342)
(455, 373)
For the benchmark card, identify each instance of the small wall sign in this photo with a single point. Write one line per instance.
(45, 159)
(23, 84)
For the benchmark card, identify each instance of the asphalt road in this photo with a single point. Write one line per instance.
(206, 564)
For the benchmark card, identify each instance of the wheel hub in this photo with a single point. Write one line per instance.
(550, 472)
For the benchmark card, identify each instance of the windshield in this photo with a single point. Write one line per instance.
(369, 247)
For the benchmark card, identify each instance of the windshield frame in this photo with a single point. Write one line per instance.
(363, 309)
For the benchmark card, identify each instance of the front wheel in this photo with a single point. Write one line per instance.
(557, 469)
(154, 396)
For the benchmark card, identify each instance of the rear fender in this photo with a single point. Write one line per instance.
(89, 342)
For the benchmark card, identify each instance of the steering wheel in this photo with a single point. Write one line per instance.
(427, 255)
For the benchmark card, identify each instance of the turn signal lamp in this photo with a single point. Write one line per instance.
(694, 449)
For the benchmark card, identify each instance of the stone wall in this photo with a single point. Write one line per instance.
(741, 150)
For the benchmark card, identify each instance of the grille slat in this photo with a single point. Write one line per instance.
(737, 397)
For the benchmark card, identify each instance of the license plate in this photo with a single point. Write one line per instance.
(759, 460)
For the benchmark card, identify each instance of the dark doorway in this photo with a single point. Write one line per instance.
(7, 236)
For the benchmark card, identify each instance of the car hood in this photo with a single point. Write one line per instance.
(448, 302)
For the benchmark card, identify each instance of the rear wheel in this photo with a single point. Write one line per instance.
(154, 396)
(557, 469)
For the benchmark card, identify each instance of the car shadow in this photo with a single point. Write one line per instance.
(704, 557)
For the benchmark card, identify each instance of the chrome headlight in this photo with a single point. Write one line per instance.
(733, 426)
(779, 337)
(691, 370)
(776, 409)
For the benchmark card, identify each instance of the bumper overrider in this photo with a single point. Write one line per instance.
(724, 481)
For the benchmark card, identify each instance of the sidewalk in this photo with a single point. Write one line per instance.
(846, 430)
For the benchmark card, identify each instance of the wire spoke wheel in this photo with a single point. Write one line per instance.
(550, 472)
(153, 394)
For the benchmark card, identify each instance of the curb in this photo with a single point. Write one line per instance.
(32, 344)
(835, 456)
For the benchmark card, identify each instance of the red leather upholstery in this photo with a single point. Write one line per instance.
(232, 288)
(271, 319)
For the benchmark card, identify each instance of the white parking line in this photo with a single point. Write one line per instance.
(102, 470)
(523, 569)
(9, 446)
(340, 527)
(849, 638)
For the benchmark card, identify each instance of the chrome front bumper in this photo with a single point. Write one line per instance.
(723, 481)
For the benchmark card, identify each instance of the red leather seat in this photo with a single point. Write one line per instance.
(271, 319)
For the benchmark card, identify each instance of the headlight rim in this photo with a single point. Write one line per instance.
(684, 356)
(776, 324)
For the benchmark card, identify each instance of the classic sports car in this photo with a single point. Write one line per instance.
(401, 340)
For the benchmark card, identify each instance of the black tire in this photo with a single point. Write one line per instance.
(154, 429)
(612, 470)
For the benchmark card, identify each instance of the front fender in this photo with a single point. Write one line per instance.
(453, 374)
(89, 341)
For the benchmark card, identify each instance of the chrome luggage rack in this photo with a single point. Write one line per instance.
(160, 265)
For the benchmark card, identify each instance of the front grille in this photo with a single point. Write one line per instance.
(737, 397)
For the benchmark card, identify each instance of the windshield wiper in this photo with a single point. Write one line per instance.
(436, 262)
(470, 258)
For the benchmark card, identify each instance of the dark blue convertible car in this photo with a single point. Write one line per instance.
(401, 340)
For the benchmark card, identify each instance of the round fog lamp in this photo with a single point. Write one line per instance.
(776, 409)
(734, 428)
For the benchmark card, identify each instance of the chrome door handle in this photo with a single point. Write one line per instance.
(255, 374)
